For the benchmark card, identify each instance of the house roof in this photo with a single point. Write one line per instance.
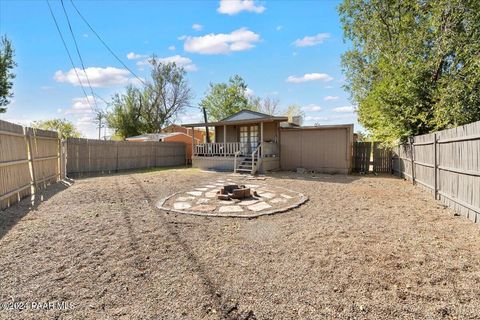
(241, 117)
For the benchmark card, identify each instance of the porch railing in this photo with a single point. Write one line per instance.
(217, 149)
(229, 149)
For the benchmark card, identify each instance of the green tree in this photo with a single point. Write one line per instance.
(156, 104)
(413, 66)
(126, 115)
(6, 75)
(65, 128)
(224, 99)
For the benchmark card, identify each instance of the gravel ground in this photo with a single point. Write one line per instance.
(361, 248)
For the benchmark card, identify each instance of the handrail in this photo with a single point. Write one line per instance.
(257, 150)
(235, 161)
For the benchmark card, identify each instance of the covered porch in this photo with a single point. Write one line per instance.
(245, 142)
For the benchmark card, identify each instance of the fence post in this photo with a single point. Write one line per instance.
(116, 164)
(32, 161)
(435, 165)
(412, 158)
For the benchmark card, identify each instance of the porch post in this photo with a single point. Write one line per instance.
(193, 141)
(261, 139)
(224, 140)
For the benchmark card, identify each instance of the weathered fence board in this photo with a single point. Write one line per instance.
(85, 156)
(448, 164)
(29, 160)
(15, 179)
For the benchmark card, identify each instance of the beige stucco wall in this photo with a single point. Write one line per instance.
(326, 150)
(227, 163)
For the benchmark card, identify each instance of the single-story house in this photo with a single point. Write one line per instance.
(251, 142)
(170, 137)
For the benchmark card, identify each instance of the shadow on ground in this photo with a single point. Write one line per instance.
(12, 215)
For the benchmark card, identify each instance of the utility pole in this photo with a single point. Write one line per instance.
(206, 127)
(100, 126)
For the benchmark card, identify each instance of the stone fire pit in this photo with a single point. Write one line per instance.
(234, 191)
(229, 198)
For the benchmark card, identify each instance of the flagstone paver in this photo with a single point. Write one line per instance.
(204, 208)
(181, 205)
(203, 199)
(185, 198)
(230, 209)
(248, 202)
(210, 194)
(259, 206)
(267, 195)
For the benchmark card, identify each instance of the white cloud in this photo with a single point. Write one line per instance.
(193, 117)
(310, 77)
(85, 35)
(221, 43)
(278, 28)
(172, 48)
(311, 40)
(197, 27)
(99, 77)
(345, 109)
(82, 105)
(134, 56)
(331, 98)
(316, 118)
(312, 107)
(249, 92)
(180, 61)
(232, 7)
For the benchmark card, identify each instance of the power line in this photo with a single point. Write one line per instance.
(79, 55)
(68, 53)
(106, 46)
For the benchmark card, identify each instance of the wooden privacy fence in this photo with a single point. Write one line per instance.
(85, 156)
(448, 164)
(380, 160)
(29, 159)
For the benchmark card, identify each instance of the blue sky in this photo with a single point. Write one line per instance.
(285, 49)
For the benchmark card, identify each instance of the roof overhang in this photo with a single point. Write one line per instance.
(237, 122)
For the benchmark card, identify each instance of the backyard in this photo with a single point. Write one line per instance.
(372, 247)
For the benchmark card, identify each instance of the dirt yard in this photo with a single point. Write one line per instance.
(361, 248)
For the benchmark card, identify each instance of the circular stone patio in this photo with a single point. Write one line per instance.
(202, 200)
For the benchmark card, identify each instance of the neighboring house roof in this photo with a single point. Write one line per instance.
(156, 136)
(241, 117)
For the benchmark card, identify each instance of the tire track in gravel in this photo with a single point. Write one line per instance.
(139, 262)
(228, 310)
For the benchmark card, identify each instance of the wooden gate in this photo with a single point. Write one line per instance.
(364, 160)
(382, 158)
(362, 152)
